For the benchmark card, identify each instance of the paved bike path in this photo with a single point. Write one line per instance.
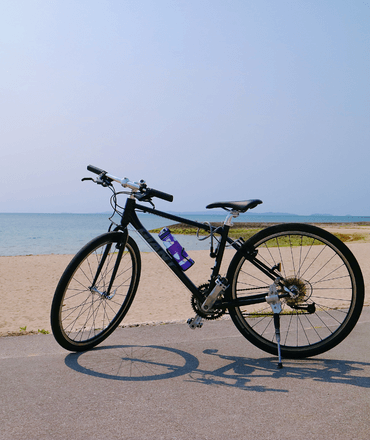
(170, 382)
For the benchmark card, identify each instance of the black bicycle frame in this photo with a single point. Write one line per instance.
(130, 217)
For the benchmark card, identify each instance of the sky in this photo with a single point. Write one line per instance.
(209, 100)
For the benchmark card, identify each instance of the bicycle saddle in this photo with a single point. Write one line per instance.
(236, 206)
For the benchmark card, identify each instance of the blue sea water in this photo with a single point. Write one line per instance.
(36, 234)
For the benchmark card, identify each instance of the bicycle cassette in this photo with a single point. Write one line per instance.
(197, 306)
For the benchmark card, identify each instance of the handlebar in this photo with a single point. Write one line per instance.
(150, 192)
(95, 170)
(145, 192)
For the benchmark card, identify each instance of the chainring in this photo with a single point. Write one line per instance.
(197, 306)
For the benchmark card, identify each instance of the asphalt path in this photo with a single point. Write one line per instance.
(170, 382)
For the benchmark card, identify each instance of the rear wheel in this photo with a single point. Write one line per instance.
(96, 291)
(319, 268)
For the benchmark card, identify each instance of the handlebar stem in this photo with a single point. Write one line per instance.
(125, 182)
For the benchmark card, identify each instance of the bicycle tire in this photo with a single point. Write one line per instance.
(82, 314)
(326, 275)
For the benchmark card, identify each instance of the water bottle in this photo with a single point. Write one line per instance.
(175, 249)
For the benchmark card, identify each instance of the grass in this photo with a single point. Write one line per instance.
(355, 236)
(297, 240)
(23, 332)
(246, 230)
(235, 232)
(43, 331)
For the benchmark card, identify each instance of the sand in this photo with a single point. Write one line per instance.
(28, 284)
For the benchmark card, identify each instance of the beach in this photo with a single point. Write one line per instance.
(28, 284)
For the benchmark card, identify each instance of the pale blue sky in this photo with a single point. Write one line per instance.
(205, 99)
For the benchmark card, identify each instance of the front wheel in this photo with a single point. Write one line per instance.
(95, 291)
(319, 268)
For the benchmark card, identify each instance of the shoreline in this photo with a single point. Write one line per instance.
(339, 228)
(29, 282)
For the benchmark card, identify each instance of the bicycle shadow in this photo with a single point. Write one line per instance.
(242, 372)
(152, 362)
(133, 362)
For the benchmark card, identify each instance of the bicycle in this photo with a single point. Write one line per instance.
(293, 290)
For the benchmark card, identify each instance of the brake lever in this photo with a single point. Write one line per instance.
(142, 197)
(98, 181)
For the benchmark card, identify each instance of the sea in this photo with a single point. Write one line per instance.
(40, 234)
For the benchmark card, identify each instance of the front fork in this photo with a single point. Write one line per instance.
(121, 247)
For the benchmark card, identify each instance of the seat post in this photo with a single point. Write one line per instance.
(231, 214)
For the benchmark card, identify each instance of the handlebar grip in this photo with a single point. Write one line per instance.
(95, 170)
(159, 194)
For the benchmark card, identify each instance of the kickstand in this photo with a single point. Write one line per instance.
(274, 301)
(277, 333)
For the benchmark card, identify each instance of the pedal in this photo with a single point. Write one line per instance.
(195, 322)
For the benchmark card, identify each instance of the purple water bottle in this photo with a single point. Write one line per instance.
(175, 249)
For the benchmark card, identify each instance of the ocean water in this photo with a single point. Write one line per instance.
(37, 234)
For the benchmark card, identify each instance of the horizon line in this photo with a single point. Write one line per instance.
(214, 212)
